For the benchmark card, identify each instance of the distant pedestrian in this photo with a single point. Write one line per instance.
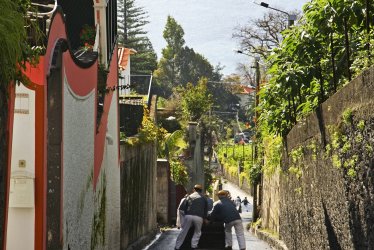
(195, 208)
(238, 203)
(224, 210)
(245, 203)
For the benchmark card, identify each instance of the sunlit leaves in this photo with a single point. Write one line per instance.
(196, 100)
(12, 39)
(312, 62)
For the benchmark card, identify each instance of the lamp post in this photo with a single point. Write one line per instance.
(255, 213)
(258, 76)
(291, 17)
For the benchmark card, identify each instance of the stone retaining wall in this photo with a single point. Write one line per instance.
(270, 202)
(327, 183)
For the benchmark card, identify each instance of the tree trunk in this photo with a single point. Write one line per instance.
(334, 80)
(254, 212)
(368, 28)
(346, 39)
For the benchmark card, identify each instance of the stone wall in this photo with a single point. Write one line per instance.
(270, 202)
(138, 195)
(327, 184)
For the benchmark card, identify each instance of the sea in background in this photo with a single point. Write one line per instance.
(209, 24)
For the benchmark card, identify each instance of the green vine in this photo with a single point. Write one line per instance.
(297, 154)
(296, 170)
(347, 116)
(273, 153)
(313, 148)
(343, 144)
(336, 161)
(99, 219)
(296, 165)
(361, 125)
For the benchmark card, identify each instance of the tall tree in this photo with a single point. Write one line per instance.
(180, 64)
(193, 66)
(13, 50)
(131, 34)
(261, 35)
(168, 73)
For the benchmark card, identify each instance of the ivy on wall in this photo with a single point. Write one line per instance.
(348, 146)
(99, 219)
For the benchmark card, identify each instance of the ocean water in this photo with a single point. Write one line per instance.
(209, 25)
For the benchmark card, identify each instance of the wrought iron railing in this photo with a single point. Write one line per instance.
(111, 29)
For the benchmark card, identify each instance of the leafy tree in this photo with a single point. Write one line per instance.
(180, 64)
(131, 34)
(168, 73)
(170, 148)
(330, 45)
(193, 66)
(196, 100)
(261, 35)
(172, 144)
(224, 92)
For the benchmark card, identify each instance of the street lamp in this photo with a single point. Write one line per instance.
(257, 67)
(291, 17)
(241, 52)
(254, 141)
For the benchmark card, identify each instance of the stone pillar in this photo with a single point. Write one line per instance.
(163, 174)
(100, 19)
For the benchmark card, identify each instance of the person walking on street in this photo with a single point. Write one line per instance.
(245, 203)
(238, 203)
(224, 210)
(195, 208)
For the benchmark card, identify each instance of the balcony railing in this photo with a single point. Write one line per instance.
(39, 19)
(111, 29)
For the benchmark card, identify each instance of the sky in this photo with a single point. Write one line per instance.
(209, 24)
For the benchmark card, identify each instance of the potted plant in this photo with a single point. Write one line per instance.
(87, 37)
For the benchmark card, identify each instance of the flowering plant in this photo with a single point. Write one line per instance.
(87, 36)
(87, 46)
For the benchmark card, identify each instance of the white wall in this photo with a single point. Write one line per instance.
(78, 165)
(81, 205)
(21, 220)
(112, 170)
(125, 78)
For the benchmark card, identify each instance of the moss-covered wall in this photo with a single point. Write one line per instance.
(138, 194)
(327, 183)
